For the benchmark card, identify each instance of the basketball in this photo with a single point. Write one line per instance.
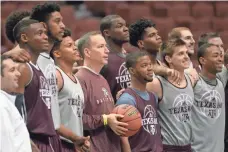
(131, 116)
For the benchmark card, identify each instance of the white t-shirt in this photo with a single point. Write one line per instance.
(14, 136)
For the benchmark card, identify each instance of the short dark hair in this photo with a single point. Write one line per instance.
(202, 50)
(84, 41)
(131, 58)
(56, 45)
(137, 29)
(21, 27)
(205, 37)
(3, 58)
(42, 12)
(106, 22)
(12, 20)
(168, 48)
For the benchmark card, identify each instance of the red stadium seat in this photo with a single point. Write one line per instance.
(181, 9)
(221, 9)
(184, 21)
(160, 9)
(202, 9)
(220, 24)
(67, 12)
(7, 8)
(96, 7)
(201, 24)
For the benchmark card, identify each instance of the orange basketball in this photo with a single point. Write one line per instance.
(131, 116)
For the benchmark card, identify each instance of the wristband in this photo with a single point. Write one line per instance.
(105, 119)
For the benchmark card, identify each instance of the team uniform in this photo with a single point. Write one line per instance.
(208, 116)
(14, 136)
(47, 66)
(116, 73)
(148, 138)
(71, 102)
(38, 106)
(175, 110)
(98, 101)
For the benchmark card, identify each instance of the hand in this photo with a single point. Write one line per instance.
(81, 141)
(19, 54)
(120, 128)
(119, 93)
(34, 147)
(84, 148)
(193, 73)
(174, 74)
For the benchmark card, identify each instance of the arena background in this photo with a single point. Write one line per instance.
(84, 16)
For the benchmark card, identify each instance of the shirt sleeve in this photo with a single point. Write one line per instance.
(223, 76)
(6, 132)
(126, 98)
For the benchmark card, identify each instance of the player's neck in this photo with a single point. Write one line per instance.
(113, 47)
(207, 74)
(153, 53)
(137, 84)
(93, 66)
(66, 67)
(33, 53)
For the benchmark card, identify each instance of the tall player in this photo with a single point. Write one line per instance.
(208, 116)
(49, 14)
(14, 135)
(70, 96)
(102, 127)
(175, 100)
(31, 36)
(115, 32)
(148, 138)
(144, 35)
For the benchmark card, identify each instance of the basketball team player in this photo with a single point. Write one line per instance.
(148, 138)
(70, 96)
(175, 100)
(102, 127)
(14, 135)
(115, 32)
(208, 116)
(31, 37)
(144, 35)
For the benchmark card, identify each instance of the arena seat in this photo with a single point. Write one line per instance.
(221, 9)
(181, 9)
(220, 24)
(202, 9)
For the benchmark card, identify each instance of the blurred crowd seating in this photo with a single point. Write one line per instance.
(200, 17)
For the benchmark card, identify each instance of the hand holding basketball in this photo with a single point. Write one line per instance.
(118, 127)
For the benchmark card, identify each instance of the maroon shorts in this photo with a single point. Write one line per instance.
(171, 148)
(47, 143)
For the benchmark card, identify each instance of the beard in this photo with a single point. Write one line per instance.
(118, 41)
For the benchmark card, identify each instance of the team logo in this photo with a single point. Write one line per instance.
(123, 77)
(76, 103)
(150, 121)
(51, 78)
(106, 98)
(210, 104)
(105, 92)
(182, 107)
(44, 92)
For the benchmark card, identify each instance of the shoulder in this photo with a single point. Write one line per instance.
(126, 98)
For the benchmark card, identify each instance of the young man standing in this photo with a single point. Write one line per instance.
(70, 95)
(175, 100)
(31, 37)
(14, 135)
(102, 127)
(115, 32)
(148, 138)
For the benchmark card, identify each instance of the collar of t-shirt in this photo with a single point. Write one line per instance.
(11, 97)
(210, 82)
(85, 67)
(45, 54)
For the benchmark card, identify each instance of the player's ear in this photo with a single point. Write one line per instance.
(57, 54)
(87, 52)
(106, 33)
(202, 60)
(168, 59)
(131, 70)
(140, 44)
(24, 38)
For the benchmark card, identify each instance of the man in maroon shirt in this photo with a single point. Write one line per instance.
(101, 126)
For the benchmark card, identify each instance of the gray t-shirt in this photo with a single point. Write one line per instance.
(208, 116)
(47, 66)
(71, 102)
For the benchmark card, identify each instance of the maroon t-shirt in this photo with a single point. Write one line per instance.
(37, 102)
(116, 73)
(98, 101)
(148, 138)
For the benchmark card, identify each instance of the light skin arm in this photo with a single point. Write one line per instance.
(63, 131)
(125, 144)
(18, 54)
(155, 86)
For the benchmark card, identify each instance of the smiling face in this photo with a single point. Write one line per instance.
(187, 37)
